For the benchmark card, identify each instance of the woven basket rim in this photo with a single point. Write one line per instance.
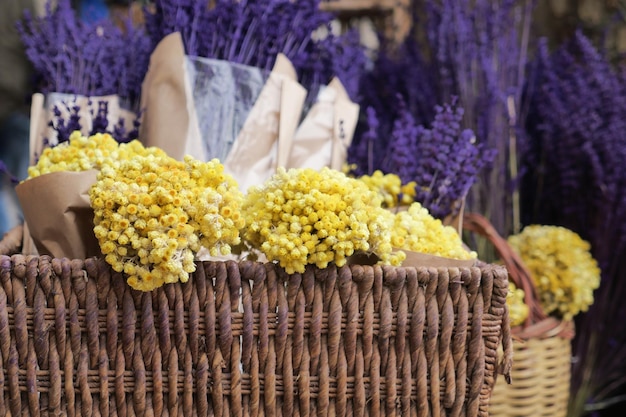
(12, 241)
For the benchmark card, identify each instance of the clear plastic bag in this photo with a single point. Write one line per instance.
(223, 94)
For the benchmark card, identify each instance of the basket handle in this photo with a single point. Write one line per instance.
(518, 273)
(11, 243)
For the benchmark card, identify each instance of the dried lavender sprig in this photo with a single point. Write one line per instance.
(4, 170)
(364, 152)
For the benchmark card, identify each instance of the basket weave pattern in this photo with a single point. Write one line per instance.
(244, 339)
(541, 379)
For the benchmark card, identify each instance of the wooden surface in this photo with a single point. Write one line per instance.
(393, 16)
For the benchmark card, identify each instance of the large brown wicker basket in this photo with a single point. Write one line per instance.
(246, 339)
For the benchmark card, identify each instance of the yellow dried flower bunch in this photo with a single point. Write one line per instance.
(304, 216)
(153, 213)
(562, 267)
(518, 310)
(416, 230)
(82, 153)
(390, 188)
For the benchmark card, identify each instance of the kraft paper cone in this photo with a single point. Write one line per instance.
(313, 142)
(58, 214)
(169, 120)
(423, 259)
(323, 138)
(264, 142)
(37, 122)
(28, 245)
(292, 97)
(346, 115)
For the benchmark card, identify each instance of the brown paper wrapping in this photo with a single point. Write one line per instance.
(346, 117)
(323, 138)
(264, 142)
(312, 144)
(37, 122)
(58, 214)
(169, 120)
(28, 245)
(423, 259)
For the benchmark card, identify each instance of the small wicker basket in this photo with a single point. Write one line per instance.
(247, 339)
(541, 346)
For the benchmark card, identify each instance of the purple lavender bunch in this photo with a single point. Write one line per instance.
(133, 57)
(444, 161)
(474, 50)
(74, 57)
(574, 177)
(478, 51)
(449, 162)
(188, 17)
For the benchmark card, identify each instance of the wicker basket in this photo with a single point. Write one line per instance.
(246, 339)
(541, 347)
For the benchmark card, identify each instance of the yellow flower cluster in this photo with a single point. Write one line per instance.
(416, 230)
(562, 267)
(152, 214)
(217, 215)
(390, 188)
(518, 310)
(303, 216)
(82, 153)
